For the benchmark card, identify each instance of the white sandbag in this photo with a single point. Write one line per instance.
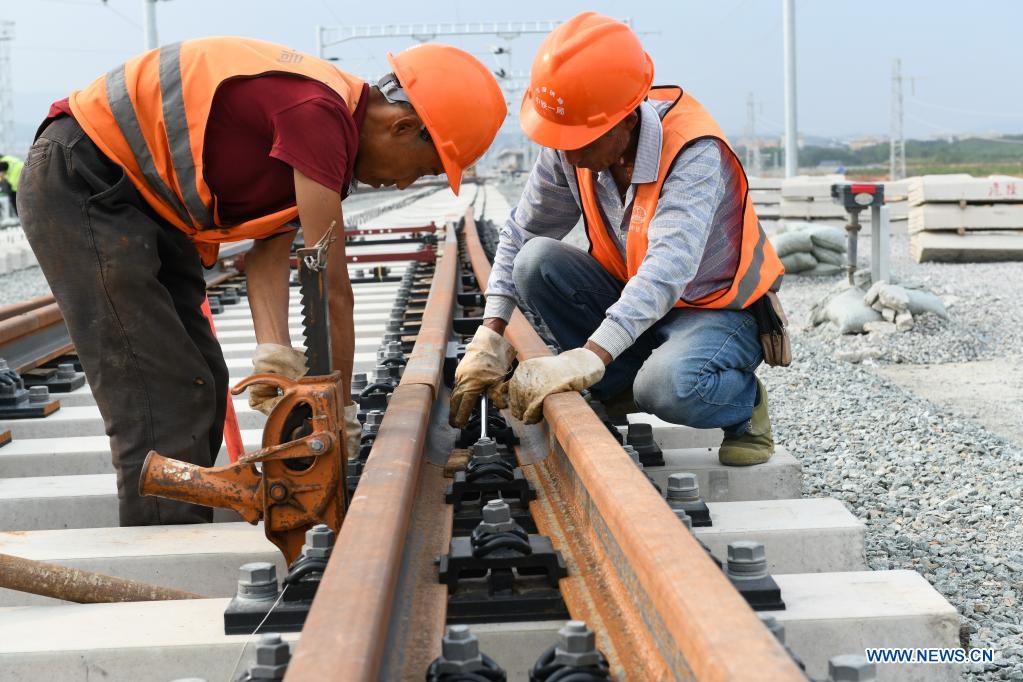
(798, 262)
(791, 242)
(846, 310)
(829, 237)
(925, 302)
(825, 255)
(893, 296)
(822, 269)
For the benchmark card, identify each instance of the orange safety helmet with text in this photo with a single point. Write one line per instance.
(588, 74)
(457, 98)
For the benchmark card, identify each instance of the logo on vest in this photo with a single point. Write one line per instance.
(638, 215)
(290, 57)
(548, 102)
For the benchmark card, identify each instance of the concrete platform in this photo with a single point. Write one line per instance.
(799, 536)
(53, 502)
(201, 558)
(137, 642)
(780, 478)
(674, 436)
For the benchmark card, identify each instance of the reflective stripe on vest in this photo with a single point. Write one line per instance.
(758, 266)
(149, 116)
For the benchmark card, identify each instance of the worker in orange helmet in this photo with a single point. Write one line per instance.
(665, 310)
(134, 182)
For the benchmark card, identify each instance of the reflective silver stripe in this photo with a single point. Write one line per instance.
(176, 123)
(751, 278)
(128, 122)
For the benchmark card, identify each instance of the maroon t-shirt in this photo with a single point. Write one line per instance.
(261, 128)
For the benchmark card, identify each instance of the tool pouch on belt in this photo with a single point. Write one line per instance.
(771, 325)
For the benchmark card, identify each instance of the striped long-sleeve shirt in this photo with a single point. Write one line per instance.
(694, 236)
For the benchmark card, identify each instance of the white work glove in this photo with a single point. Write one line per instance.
(534, 380)
(487, 359)
(353, 430)
(272, 358)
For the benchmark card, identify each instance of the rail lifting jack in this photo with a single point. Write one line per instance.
(297, 479)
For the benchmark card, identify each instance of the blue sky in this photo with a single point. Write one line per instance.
(966, 57)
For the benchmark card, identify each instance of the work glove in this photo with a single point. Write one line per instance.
(353, 430)
(534, 380)
(272, 358)
(487, 359)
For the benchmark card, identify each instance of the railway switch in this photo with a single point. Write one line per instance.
(461, 660)
(574, 657)
(683, 494)
(746, 567)
(641, 437)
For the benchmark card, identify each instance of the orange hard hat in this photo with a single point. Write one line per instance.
(588, 74)
(457, 98)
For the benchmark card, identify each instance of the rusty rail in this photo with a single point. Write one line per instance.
(660, 607)
(346, 634)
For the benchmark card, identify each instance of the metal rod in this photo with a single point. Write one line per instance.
(76, 585)
(483, 417)
(852, 233)
(791, 135)
(149, 10)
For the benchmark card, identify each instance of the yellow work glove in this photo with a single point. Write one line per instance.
(487, 359)
(353, 430)
(534, 380)
(272, 358)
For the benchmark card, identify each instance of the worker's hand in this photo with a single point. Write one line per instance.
(272, 358)
(534, 380)
(488, 358)
(353, 430)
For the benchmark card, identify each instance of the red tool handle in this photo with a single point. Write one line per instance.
(232, 433)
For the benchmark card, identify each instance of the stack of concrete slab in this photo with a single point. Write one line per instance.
(959, 218)
(15, 252)
(766, 196)
(896, 198)
(808, 198)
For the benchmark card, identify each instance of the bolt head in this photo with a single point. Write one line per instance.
(319, 540)
(375, 417)
(459, 644)
(577, 645)
(66, 370)
(484, 447)
(746, 551)
(38, 394)
(316, 445)
(632, 453)
(773, 626)
(258, 573)
(685, 518)
(272, 650)
(381, 373)
(851, 668)
(3, 365)
(496, 511)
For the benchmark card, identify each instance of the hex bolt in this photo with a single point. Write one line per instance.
(460, 651)
(319, 540)
(773, 626)
(851, 668)
(381, 374)
(683, 487)
(685, 518)
(391, 337)
(484, 451)
(316, 445)
(640, 434)
(38, 394)
(577, 645)
(66, 370)
(375, 418)
(496, 517)
(633, 455)
(359, 382)
(394, 349)
(746, 560)
(393, 326)
(272, 657)
(3, 365)
(258, 580)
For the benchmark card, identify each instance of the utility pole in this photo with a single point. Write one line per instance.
(897, 139)
(6, 88)
(753, 162)
(149, 15)
(791, 135)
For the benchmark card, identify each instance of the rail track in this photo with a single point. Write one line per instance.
(600, 544)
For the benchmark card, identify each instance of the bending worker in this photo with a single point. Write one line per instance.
(656, 311)
(134, 182)
(10, 173)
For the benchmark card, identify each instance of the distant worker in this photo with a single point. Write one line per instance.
(10, 173)
(656, 315)
(134, 182)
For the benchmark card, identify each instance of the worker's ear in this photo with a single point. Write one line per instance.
(405, 126)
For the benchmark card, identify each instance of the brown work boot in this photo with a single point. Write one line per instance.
(756, 445)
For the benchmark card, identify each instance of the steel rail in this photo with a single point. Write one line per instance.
(661, 609)
(346, 633)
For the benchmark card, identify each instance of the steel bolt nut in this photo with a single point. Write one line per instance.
(746, 560)
(359, 381)
(685, 518)
(683, 487)
(316, 445)
(3, 365)
(381, 374)
(496, 517)
(374, 417)
(851, 668)
(577, 645)
(640, 434)
(633, 455)
(460, 651)
(272, 657)
(257, 580)
(394, 349)
(38, 394)
(773, 626)
(319, 540)
(66, 370)
(484, 450)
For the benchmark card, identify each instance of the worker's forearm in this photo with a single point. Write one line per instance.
(267, 269)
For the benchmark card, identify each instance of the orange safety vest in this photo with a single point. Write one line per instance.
(149, 116)
(684, 123)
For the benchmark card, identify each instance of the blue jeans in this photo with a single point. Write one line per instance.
(693, 367)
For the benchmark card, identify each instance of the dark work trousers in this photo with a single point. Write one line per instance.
(130, 287)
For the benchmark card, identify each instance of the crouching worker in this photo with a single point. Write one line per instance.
(663, 307)
(134, 182)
